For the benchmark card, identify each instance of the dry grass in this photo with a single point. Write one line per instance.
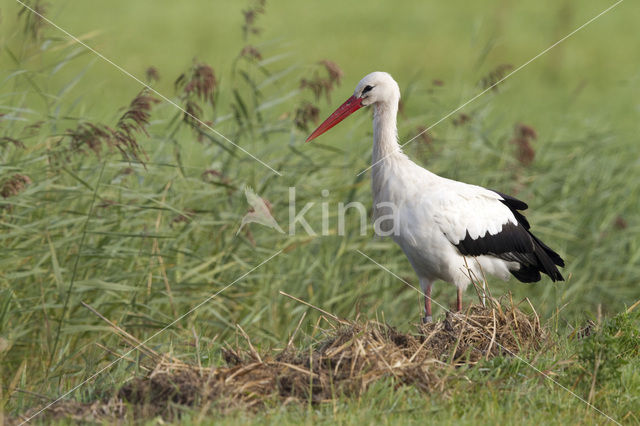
(351, 356)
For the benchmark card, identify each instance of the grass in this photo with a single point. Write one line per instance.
(359, 370)
(143, 243)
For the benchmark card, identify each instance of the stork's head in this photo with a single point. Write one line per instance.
(375, 89)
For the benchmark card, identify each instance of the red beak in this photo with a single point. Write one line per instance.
(350, 106)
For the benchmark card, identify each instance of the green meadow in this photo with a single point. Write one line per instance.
(133, 209)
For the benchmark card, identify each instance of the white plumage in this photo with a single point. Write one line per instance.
(444, 227)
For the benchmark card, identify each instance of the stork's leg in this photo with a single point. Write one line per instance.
(459, 301)
(427, 306)
(426, 285)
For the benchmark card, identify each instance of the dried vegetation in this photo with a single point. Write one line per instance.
(351, 356)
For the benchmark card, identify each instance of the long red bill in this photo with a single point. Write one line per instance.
(350, 106)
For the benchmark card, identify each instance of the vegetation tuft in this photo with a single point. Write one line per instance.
(614, 344)
(346, 360)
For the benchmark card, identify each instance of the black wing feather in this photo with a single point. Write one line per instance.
(515, 243)
(514, 205)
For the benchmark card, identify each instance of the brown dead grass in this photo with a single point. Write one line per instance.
(350, 357)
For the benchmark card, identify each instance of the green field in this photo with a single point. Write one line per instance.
(145, 236)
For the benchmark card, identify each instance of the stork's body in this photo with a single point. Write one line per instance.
(448, 230)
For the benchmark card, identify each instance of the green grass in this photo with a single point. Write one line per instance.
(93, 229)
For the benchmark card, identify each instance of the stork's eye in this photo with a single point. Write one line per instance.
(366, 89)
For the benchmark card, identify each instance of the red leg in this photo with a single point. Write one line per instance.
(459, 305)
(427, 304)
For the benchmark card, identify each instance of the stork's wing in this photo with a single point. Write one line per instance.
(482, 222)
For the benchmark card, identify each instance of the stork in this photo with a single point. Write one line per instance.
(449, 230)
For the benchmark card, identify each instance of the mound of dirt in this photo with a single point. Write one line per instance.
(351, 357)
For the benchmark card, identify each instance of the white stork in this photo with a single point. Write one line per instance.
(442, 221)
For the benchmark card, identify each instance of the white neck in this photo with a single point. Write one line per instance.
(387, 158)
(385, 132)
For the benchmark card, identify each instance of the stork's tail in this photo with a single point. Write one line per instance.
(547, 259)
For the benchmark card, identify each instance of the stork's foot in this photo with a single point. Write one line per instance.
(427, 319)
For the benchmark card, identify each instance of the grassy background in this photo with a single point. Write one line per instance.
(108, 233)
